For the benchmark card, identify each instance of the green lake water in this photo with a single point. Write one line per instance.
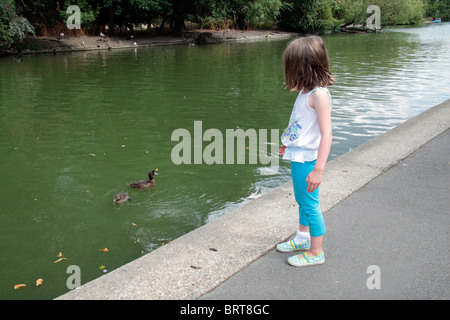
(75, 128)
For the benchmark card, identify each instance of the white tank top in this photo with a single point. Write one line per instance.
(302, 136)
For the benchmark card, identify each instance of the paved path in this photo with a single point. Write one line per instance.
(398, 222)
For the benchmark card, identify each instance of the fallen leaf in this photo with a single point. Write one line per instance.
(39, 282)
(92, 154)
(102, 267)
(59, 260)
(104, 250)
(196, 267)
(123, 146)
(17, 286)
(59, 255)
(134, 224)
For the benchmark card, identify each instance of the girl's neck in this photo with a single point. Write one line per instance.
(306, 91)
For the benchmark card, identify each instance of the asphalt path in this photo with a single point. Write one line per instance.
(388, 240)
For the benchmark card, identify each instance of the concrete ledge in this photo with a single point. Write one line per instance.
(245, 234)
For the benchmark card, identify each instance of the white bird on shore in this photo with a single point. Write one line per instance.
(102, 35)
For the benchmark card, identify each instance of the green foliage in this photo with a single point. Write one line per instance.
(308, 15)
(320, 15)
(401, 12)
(129, 12)
(13, 28)
(242, 14)
(439, 9)
(261, 12)
(350, 11)
(299, 15)
(42, 12)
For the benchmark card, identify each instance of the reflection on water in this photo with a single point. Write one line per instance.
(76, 128)
(389, 79)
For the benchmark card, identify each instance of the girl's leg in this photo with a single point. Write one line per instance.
(310, 214)
(316, 242)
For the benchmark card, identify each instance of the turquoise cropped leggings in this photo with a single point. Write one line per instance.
(310, 213)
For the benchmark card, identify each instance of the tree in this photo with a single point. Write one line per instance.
(320, 15)
(13, 28)
(307, 15)
(129, 13)
(260, 12)
(194, 9)
(43, 13)
(439, 9)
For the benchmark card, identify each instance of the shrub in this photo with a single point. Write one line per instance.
(13, 28)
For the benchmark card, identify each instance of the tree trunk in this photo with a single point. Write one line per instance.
(111, 21)
(178, 18)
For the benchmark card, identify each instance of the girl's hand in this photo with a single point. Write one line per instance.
(314, 179)
(282, 150)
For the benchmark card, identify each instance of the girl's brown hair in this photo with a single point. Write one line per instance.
(306, 64)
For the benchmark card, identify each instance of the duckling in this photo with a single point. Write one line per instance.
(121, 197)
(142, 184)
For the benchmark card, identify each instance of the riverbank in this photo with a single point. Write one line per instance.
(194, 264)
(54, 45)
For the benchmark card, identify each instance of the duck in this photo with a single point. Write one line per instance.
(142, 184)
(121, 197)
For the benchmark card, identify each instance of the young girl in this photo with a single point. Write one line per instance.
(307, 142)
